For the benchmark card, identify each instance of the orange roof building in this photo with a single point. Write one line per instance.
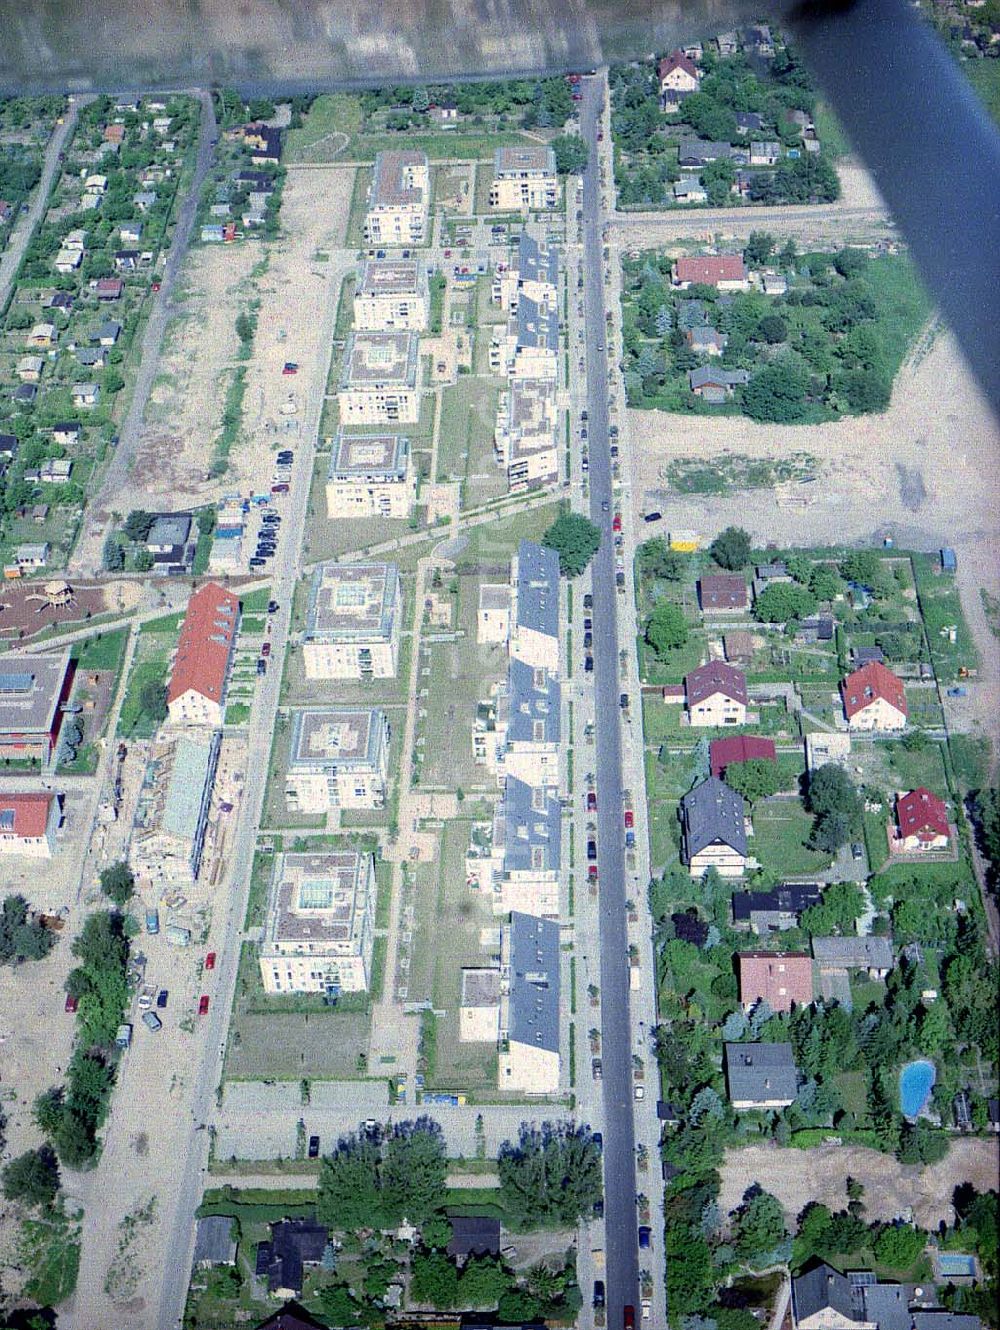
(27, 823)
(775, 978)
(197, 689)
(922, 820)
(726, 272)
(874, 699)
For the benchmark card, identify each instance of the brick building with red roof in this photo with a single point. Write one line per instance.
(921, 822)
(874, 699)
(723, 593)
(778, 979)
(723, 753)
(197, 690)
(726, 272)
(28, 823)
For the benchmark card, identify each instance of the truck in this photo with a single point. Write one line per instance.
(152, 921)
(178, 936)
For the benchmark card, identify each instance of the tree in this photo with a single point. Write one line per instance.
(138, 524)
(153, 700)
(823, 582)
(756, 779)
(772, 329)
(781, 602)
(414, 1167)
(19, 939)
(657, 559)
(666, 628)
(370, 1182)
(113, 555)
(866, 390)
(861, 566)
(436, 1232)
(731, 548)
(33, 1177)
(420, 100)
(850, 262)
(575, 539)
(841, 905)
(831, 790)
(434, 1279)
(777, 393)
(118, 882)
(571, 154)
(759, 1226)
(710, 119)
(759, 249)
(899, 1245)
(830, 832)
(718, 179)
(552, 1175)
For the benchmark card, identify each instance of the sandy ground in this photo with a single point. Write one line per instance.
(924, 472)
(796, 1178)
(24, 612)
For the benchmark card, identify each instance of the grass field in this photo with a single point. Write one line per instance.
(924, 767)
(50, 1250)
(491, 542)
(781, 829)
(150, 665)
(465, 447)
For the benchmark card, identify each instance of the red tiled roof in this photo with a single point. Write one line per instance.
(205, 644)
(723, 591)
(677, 60)
(872, 681)
(109, 284)
(779, 979)
(921, 813)
(31, 813)
(739, 748)
(715, 677)
(709, 269)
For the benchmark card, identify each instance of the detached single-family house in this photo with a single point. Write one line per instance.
(68, 431)
(144, 200)
(780, 979)
(91, 357)
(872, 954)
(32, 555)
(726, 272)
(677, 72)
(294, 1244)
(765, 153)
(774, 911)
(699, 152)
(214, 1243)
(107, 334)
(42, 336)
(874, 699)
(29, 369)
(725, 753)
(85, 394)
(716, 385)
(749, 122)
(714, 826)
(68, 260)
(761, 1075)
(130, 233)
(109, 288)
(706, 341)
(723, 593)
(126, 260)
(24, 394)
(689, 190)
(773, 283)
(921, 822)
(716, 695)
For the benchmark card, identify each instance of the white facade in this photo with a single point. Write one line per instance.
(398, 199)
(371, 475)
(337, 759)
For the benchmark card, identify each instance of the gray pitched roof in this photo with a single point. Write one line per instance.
(867, 952)
(761, 1072)
(534, 981)
(939, 1319)
(819, 1288)
(888, 1305)
(538, 588)
(536, 262)
(532, 828)
(713, 813)
(536, 325)
(213, 1242)
(705, 374)
(533, 697)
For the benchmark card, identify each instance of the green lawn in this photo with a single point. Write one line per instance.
(781, 829)
(50, 1249)
(101, 652)
(984, 75)
(331, 117)
(490, 542)
(924, 767)
(465, 446)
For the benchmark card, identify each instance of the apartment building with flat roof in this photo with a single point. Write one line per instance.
(353, 622)
(398, 199)
(32, 691)
(378, 381)
(524, 179)
(392, 295)
(337, 758)
(320, 927)
(525, 436)
(370, 475)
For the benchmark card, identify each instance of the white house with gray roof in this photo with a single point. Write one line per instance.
(398, 199)
(353, 622)
(529, 1005)
(714, 823)
(338, 758)
(534, 638)
(761, 1075)
(528, 838)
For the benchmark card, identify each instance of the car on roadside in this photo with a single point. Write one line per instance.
(598, 1298)
(596, 1068)
(628, 1317)
(614, 450)
(652, 517)
(210, 961)
(629, 818)
(591, 848)
(161, 998)
(645, 1234)
(591, 801)
(592, 872)
(71, 1003)
(266, 649)
(588, 641)
(588, 664)
(640, 1092)
(616, 522)
(588, 601)
(152, 1021)
(203, 1005)
(313, 1147)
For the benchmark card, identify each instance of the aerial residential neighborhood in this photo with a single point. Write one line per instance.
(498, 675)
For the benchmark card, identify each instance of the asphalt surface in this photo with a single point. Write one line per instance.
(620, 1214)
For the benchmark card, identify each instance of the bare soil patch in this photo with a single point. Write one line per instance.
(796, 1178)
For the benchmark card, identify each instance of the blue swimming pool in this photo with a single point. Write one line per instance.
(956, 1265)
(916, 1080)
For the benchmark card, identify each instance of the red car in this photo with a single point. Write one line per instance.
(266, 649)
(591, 801)
(210, 961)
(279, 489)
(629, 1317)
(71, 1003)
(592, 872)
(616, 523)
(629, 818)
(290, 367)
(156, 286)
(203, 1005)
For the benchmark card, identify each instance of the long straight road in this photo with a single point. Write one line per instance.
(620, 1218)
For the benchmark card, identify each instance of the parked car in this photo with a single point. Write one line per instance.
(151, 1021)
(629, 817)
(640, 1092)
(598, 1293)
(614, 450)
(598, 1140)
(623, 701)
(588, 641)
(210, 961)
(203, 1005)
(266, 649)
(588, 601)
(588, 664)
(272, 607)
(290, 367)
(645, 1233)
(161, 999)
(857, 852)
(652, 517)
(596, 1068)
(592, 872)
(587, 625)
(616, 522)
(313, 1147)
(628, 1317)
(591, 848)
(279, 489)
(261, 665)
(591, 801)
(71, 1003)
(256, 562)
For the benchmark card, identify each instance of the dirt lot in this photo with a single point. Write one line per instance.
(925, 471)
(796, 1178)
(21, 616)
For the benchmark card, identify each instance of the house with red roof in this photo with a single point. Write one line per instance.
(921, 822)
(723, 593)
(196, 693)
(28, 823)
(874, 699)
(716, 694)
(679, 77)
(726, 272)
(779, 979)
(723, 753)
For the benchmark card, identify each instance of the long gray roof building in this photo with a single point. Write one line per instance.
(534, 981)
(536, 325)
(532, 828)
(535, 703)
(712, 812)
(536, 262)
(869, 953)
(538, 588)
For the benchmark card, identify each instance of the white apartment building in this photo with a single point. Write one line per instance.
(371, 475)
(525, 437)
(378, 382)
(524, 179)
(337, 758)
(398, 199)
(353, 622)
(392, 295)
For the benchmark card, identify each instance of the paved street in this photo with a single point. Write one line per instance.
(619, 1144)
